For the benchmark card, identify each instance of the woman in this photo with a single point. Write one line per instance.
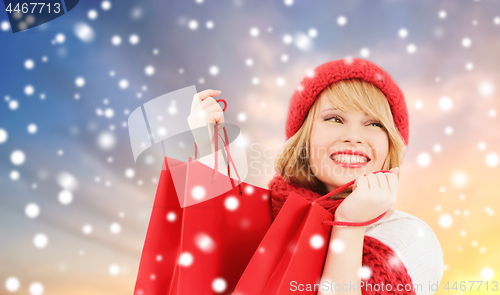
(346, 121)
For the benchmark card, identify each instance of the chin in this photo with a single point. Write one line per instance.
(348, 174)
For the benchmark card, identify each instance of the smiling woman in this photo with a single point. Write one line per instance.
(349, 121)
(305, 157)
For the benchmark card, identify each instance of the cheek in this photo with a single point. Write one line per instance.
(313, 152)
(381, 145)
(318, 148)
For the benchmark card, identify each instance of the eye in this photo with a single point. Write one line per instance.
(332, 119)
(377, 124)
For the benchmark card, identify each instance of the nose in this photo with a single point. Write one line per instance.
(353, 135)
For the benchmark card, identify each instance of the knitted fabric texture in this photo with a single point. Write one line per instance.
(385, 266)
(311, 87)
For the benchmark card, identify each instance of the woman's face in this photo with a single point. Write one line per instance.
(339, 132)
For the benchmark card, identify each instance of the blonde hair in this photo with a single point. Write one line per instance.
(350, 95)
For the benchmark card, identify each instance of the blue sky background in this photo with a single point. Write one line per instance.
(450, 50)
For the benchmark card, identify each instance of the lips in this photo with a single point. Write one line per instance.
(350, 152)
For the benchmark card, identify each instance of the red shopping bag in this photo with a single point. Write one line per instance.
(202, 248)
(201, 186)
(293, 251)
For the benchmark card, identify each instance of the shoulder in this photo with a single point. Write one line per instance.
(398, 222)
(416, 245)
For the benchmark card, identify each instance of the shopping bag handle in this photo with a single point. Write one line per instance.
(346, 223)
(229, 159)
(216, 154)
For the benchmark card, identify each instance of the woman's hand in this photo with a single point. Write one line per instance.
(372, 195)
(204, 112)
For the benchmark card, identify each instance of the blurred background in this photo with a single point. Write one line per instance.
(74, 207)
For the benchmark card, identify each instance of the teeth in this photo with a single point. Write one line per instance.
(350, 158)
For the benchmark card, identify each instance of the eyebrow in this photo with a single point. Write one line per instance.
(335, 109)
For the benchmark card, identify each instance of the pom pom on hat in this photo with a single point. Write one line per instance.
(310, 88)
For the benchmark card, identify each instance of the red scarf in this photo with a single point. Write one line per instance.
(385, 265)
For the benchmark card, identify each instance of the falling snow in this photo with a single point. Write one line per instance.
(32, 210)
(17, 157)
(186, 259)
(116, 40)
(316, 241)
(365, 272)
(337, 246)
(114, 269)
(36, 288)
(65, 197)
(84, 32)
(445, 103)
(3, 136)
(205, 243)
(219, 285)
(341, 20)
(40, 240)
(106, 5)
(231, 203)
(93, 143)
(92, 14)
(134, 39)
(445, 220)
(424, 159)
(12, 284)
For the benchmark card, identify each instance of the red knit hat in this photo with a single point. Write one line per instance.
(341, 69)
